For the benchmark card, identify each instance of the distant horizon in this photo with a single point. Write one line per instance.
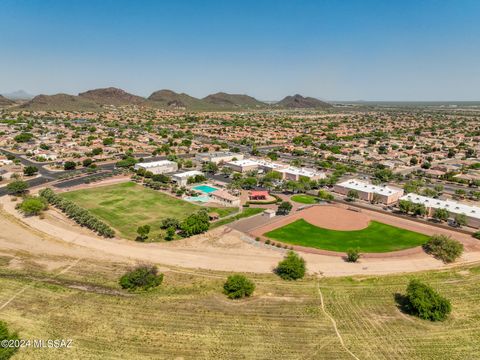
(260, 99)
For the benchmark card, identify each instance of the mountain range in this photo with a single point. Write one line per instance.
(95, 100)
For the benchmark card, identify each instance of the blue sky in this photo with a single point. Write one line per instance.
(333, 50)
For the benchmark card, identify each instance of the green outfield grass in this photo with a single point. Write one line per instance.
(377, 237)
(304, 199)
(127, 205)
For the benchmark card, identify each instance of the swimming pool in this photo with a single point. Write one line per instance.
(203, 198)
(205, 189)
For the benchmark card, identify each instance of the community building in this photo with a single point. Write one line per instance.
(225, 198)
(243, 165)
(182, 178)
(158, 167)
(218, 157)
(295, 173)
(383, 194)
(471, 212)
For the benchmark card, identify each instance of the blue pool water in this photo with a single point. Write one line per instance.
(203, 198)
(205, 189)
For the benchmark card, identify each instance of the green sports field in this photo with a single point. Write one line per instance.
(375, 238)
(304, 199)
(127, 205)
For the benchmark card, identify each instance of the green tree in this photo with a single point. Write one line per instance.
(441, 214)
(444, 248)
(30, 170)
(292, 267)
(238, 286)
(69, 165)
(17, 187)
(5, 334)
(461, 219)
(196, 223)
(108, 141)
(352, 195)
(143, 232)
(23, 137)
(32, 206)
(423, 301)
(170, 233)
(169, 222)
(143, 277)
(87, 162)
(284, 208)
(210, 167)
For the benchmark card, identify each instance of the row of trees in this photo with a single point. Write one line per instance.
(75, 212)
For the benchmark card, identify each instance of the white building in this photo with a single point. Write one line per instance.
(182, 178)
(472, 212)
(385, 194)
(243, 165)
(218, 157)
(295, 173)
(158, 167)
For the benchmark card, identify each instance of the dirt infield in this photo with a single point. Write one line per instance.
(341, 217)
(328, 217)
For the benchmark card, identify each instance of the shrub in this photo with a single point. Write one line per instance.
(292, 267)
(353, 255)
(238, 286)
(143, 277)
(477, 235)
(32, 206)
(444, 248)
(30, 170)
(5, 334)
(170, 233)
(169, 222)
(17, 187)
(424, 302)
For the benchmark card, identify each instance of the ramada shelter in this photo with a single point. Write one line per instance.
(384, 194)
(471, 212)
(258, 195)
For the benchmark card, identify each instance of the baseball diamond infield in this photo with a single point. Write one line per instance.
(336, 228)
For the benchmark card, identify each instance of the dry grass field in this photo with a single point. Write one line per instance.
(189, 318)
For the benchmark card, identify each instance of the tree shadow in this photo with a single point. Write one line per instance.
(403, 304)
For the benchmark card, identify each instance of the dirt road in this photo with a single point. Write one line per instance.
(222, 249)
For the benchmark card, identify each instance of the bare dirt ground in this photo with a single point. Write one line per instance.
(222, 249)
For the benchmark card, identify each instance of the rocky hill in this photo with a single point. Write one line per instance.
(60, 102)
(224, 100)
(171, 99)
(299, 102)
(5, 102)
(112, 96)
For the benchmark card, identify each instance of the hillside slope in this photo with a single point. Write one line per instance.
(224, 100)
(5, 102)
(112, 96)
(300, 102)
(60, 102)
